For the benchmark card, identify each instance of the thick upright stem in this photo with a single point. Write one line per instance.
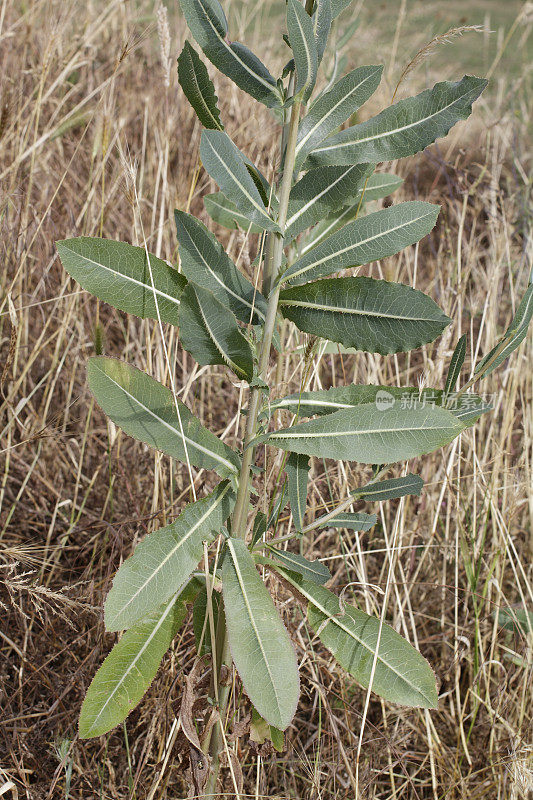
(238, 521)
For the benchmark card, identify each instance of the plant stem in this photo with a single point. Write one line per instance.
(273, 261)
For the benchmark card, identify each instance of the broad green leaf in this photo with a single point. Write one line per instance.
(297, 469)
(314, 571)
(146, 410)
(205, 263)
(129, 669)
(208, 25)
(321, 26)
(262, 651)
(320, 192)
(404, 128)
(198, 87)
(119, 274)
(303, 45)
(391, 489)
(366, 239)
(375, 316)
(165, 559)
(200, 623)
(226, 165)
(209, 331)
(456, 365)
(378, 185)
(226, 213)
(332, 108)
(366, 434)
(468, 408)
(514, 335)
(402, 674)
(351, 520)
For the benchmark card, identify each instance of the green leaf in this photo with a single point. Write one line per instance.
(226, 165)
(378, 185)
(518, 620)
(366, 239)
(262, 651)
(276, 507)
(198, 87)
(263, 187)
(456, 365)
(348, 31)
(402, 674)
(208, 25)
(226, 213)
(320, 192)
(468, 408)
(514, 335)
(119, 274)
(209, 331)
(146, 410)
(368, 435)
(338, 6)
(259, 528)
(375, 316)
(165, 559)
(321, 26)
(404, 128)
(205, 263)
(314, 571)
(297, 469)
(303, 46)
(332, 108)
(260, 731)
(129, 669)
(352, 521)
(199, 614)
(391, 489)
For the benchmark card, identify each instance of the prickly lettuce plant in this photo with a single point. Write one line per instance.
(310, 224)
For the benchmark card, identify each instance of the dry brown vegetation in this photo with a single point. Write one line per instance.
(85, 116)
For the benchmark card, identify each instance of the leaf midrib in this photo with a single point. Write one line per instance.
(252, 621)
(352, 635)
(318, 197)
(234, 178)
(375, 237)
(234, 54)
(127, 278)
(219, 280)
(355, 311)
(165, 424)
(218, 346)
(134, 661)
(293, 433)
(328, 114)
(308, 56)
(216, 121)
(180, 544)
(390, 132)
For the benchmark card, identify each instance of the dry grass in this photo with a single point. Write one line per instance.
(84, 111)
